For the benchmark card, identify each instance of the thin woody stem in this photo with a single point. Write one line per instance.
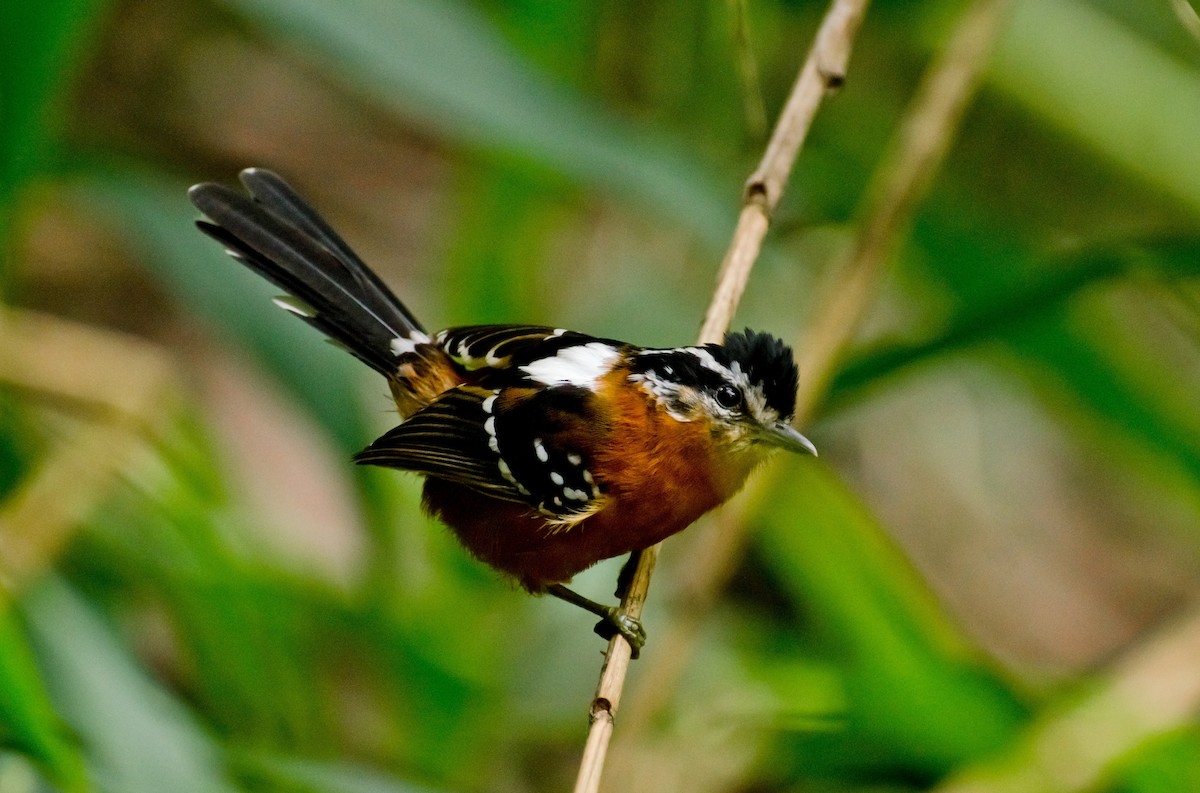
(900, 183)
(824, 68)
(898, 186)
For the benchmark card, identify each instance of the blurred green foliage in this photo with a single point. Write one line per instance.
(1009, 488)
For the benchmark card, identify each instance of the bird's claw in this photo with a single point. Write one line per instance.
(631, 629)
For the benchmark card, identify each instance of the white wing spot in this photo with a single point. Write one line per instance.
(540, 450)
(574, 459)
(507, 473)
(489, 426)
(582, 365)
(556, 478)
(587, 477)
(490, 402)
(575, 495)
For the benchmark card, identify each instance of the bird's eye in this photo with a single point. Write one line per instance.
(728, 397)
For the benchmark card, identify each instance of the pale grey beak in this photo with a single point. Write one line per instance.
(786, 436)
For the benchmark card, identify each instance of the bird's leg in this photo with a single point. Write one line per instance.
(612, 621)
(625, 577)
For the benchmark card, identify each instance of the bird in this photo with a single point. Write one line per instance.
(544, 450)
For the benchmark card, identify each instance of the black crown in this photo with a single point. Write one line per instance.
(767, 361)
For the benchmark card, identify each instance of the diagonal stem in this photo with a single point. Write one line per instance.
(898, 186)
(824, 68)
(900, 183)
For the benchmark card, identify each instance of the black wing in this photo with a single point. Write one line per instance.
(543, 439)
(501, 347)
(449, 439)
(521, 444)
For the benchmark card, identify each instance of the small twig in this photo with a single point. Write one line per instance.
(901, 181)
(824, 68)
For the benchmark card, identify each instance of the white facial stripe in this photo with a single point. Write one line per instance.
(582, 365)
(756, 401)
(732, 374)
(707, 360)
(668, 391)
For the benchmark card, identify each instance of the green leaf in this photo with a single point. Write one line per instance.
(137, 738)
(154, 216)
(1168, 762)
(1129, 401)
(911, 680)
(503, 216)
(439, 64)
(1064, 327)
(37, 48)
(1000, 293)
(1115, 92)
(27, 717)
(159, 221)
(310, 776)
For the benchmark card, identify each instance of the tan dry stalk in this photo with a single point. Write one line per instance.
(119, 384)
(900, 183)
(823, 69)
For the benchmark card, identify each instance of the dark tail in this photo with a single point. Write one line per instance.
(274, 232)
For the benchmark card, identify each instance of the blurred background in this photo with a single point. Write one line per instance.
(987, 581)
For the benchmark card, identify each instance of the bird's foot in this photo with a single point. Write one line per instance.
(614, 622)
(612, 619)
